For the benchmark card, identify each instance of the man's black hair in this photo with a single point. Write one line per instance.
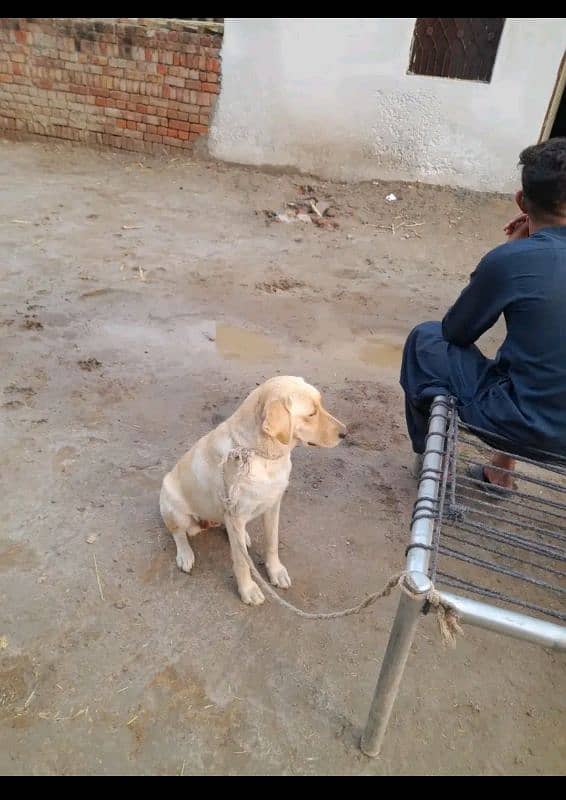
(544, 177)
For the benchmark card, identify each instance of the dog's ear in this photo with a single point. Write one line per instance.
(277, 421)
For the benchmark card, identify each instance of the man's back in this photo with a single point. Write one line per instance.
(524, 390)
(521, 395)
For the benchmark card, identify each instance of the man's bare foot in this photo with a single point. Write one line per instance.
(495, 476)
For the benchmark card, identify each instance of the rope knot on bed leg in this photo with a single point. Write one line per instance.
(448, 620)
(419, 587)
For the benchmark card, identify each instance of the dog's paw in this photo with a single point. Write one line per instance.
(185, 561)
(252, 594)
(279, 576)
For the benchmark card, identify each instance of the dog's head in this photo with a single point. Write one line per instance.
(291, 412)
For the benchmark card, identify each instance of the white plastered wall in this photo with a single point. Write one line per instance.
(333, 97)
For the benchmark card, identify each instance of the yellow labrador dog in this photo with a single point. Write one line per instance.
(240, 471)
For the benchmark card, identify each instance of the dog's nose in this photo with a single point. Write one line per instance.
(342, 434)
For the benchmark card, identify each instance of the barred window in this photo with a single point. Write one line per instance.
(448, 47)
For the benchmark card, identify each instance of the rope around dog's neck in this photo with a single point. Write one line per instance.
(237, 463)
(246, 452)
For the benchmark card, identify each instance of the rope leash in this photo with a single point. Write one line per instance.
(447, 617)
(236, 466)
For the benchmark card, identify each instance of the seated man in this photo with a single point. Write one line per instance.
(520, 395)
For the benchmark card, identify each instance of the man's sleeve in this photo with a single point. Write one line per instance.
(479, 306)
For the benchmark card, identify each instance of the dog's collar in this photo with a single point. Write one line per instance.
(246, 452)
(268, 457)
(235, 467)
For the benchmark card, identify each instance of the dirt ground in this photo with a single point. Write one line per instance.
(140, 302)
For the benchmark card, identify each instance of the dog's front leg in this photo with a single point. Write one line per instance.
(248, 589)
(278, 575)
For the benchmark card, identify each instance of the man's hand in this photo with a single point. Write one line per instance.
(517, 228)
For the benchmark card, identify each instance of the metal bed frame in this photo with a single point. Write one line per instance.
(436, 503)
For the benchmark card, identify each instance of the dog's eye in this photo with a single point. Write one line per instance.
(313, 413)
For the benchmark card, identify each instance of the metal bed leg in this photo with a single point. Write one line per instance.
(416, 582)
(393, 666)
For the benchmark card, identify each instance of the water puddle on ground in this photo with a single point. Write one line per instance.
(238, 343)
(380, 351)
(384, 352)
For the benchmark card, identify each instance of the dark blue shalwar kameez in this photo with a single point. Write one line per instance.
(521, 394)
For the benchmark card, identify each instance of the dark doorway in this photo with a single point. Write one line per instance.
(555, 120)
(559, 125)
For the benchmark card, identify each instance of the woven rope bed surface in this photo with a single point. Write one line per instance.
(510, 546)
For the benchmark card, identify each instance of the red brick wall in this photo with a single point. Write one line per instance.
(134, 84)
